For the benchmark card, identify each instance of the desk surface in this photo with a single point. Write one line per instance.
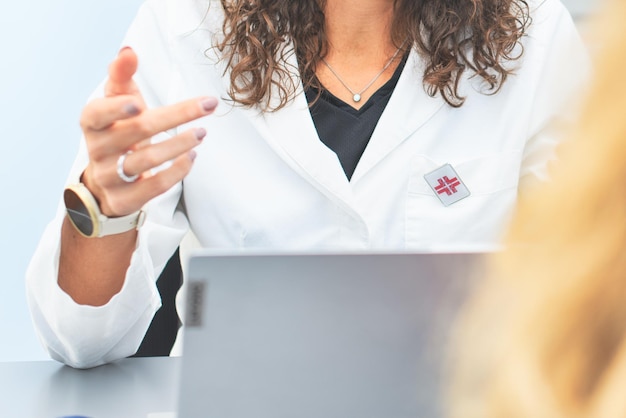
(130, 388)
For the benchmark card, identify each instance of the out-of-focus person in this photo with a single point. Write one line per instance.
(544, 336)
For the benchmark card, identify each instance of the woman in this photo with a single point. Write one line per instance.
(546, 334)
(445, 108)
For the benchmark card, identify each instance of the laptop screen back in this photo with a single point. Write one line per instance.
(326, 335)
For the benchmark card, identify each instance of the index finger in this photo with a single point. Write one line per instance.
(153, 121)
(102, 112)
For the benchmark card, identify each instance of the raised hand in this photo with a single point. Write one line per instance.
(119, 123)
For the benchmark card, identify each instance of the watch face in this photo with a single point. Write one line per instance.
(78, 213)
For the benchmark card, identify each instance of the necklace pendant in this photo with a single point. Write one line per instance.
(356, 98)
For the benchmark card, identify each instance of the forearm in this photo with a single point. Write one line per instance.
(82, 335)
(92, 270)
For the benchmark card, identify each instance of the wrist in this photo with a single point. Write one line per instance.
(95, 191)
(84, 213)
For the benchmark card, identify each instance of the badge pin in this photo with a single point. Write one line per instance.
(447, 185)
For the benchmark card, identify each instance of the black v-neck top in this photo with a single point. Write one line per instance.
(344, 129)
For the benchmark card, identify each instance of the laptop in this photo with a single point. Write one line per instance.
(341, 335)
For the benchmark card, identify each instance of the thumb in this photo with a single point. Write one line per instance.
(121, 72)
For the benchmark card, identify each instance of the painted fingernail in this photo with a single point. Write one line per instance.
(192, 155)
(131, 109)
(200, 133)
(209, 104)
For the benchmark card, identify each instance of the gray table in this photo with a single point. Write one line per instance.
(128, 388)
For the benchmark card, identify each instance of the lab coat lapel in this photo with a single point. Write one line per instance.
(292, 134)
(409, 108)
(289, 131)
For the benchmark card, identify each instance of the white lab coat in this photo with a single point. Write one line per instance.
(266, 181)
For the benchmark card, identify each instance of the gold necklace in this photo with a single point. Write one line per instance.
(356, 96)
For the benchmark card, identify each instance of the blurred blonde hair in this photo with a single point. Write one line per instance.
(545, 335)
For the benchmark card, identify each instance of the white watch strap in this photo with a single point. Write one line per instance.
(112, 226)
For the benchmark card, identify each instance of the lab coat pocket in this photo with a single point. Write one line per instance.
(476, 220)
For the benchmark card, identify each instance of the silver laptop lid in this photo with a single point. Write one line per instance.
(319, 335)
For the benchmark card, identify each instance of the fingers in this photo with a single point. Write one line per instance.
(121, 72)
(122, 97)
(101, 113)
(153, 121)
(152, 156)
(127, 198)
(152, 186)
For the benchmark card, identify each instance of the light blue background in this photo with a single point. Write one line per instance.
(53, 54)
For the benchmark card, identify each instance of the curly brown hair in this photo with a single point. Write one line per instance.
(452, 36)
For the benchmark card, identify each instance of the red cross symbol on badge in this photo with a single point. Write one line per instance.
(447, 185)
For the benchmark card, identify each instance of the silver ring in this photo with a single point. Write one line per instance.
(120, 169)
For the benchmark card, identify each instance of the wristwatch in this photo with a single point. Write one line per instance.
(84, 213)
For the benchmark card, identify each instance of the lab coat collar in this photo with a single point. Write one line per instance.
(291, 132)
(409, 108)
